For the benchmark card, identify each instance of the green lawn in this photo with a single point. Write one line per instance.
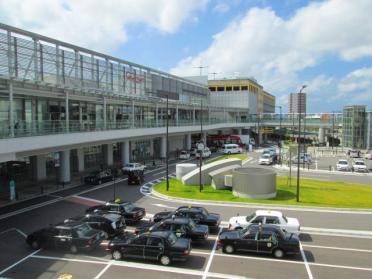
(222, 157)
(312, 193)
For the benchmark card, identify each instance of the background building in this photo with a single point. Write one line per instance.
(241, 93)
(297, 103)
(355, 127)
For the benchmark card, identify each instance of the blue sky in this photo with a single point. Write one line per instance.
(326, 45)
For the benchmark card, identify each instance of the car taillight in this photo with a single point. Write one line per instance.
(90, 241)
(136, 232)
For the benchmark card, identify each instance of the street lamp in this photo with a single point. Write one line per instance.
(200, 149)
(280, 134)
(299, 145)
(167, 147)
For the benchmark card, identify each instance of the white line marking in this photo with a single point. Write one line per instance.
(132, 264)
(211, 257)
(305, 262)
(336, 231)
(103, 270)
(20, 261)
(21, 233)
(342, 266)
(14, 229)
(88, 199)
(341, 235)
(338, 248)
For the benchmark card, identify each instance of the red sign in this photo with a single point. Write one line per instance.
(134, 78)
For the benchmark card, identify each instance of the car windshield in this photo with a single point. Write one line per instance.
(172, 238)
(82, 230)
(204, 212)
(183, 152)
(266, 156)
(342, 162)
(192, 224)
(250, 217)
(359, 163)
(128, 207)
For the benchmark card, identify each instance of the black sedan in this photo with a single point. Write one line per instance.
(128, 210)
(99, 177)
(136, 177)
(72, 236)
(266, 239)
(182, 227)
(164, 247)
(199, 214)
(111, 224)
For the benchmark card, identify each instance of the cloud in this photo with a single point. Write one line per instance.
(275, 50)
(221, 8)
(97, 24)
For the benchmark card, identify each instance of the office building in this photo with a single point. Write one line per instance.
(297, 103)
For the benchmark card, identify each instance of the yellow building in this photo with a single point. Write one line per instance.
(241, 92)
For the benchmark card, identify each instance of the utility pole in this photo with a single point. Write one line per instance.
(167, 147)
(201, 151)
(201, 68)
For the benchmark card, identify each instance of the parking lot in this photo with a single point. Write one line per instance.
(323, 257)
(324, 254)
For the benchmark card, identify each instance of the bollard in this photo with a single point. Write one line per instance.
(330, 168)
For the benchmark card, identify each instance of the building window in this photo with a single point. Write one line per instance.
(228, 88)
(220, 88)
(212, 88)
(244, 88)
(236, 88)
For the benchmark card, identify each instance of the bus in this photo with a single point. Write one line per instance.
(217, 141)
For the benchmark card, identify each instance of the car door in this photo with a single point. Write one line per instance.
(248, 242)
(154, 248)
(135, 248)
(63, 239)
(257, 220)
(266, 242)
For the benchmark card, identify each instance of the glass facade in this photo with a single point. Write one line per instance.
(354, 127)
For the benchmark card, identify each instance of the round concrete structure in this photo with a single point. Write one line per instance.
(254, 183)
(185, 168)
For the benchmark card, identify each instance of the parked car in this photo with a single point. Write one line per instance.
(353, 153)
(265, 239)
(265, 159)
(182, 227)
(368, 155)
(304, 158)
(342, 165)
(359, 166)
(133, 167)
(136, 177)
(231, 149)
(184, 155)
(289, 224)
(128, 210)
(99, 177)
(163, 246)
(72, 236)
(199, 214)
(206, 153)
(110, 224)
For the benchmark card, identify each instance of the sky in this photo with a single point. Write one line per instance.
(283, 44)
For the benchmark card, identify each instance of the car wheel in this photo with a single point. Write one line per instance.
(99, 182)
(35, 245)
(278, 253)
(73, 249)
(117, 255)
(165, 260)
(229, 249)
(229, 152)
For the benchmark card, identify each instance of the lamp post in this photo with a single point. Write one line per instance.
(333, 129)
(199, 149)
(280, 134)
(299, 145)
(167, 147)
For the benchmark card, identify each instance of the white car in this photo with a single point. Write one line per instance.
(206, 153)
(291, 225)
(265, 159)
(342, 165)
(359, 166)
(184, 155)
(133, 167)
(368, 155)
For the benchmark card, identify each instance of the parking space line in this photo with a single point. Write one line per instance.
(338, 248)
(305, 262)
(211, 257)
(103, 270)
(342, 266)
(20, 261)
(143, 266)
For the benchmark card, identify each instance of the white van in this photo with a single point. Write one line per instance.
(231, 149)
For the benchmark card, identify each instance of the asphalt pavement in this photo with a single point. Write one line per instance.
(336, 243)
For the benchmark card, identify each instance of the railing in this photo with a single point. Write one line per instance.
(50, 127)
